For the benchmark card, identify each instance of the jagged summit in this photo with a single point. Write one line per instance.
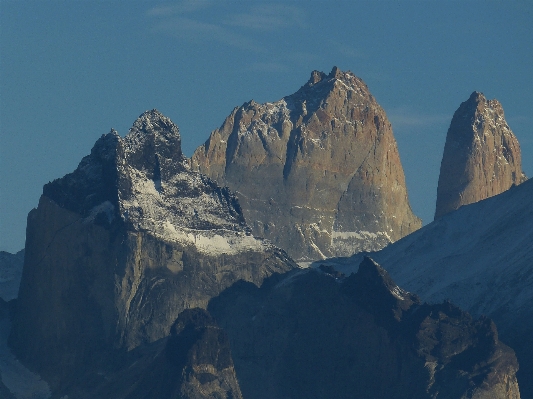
(336, 73)
(154, 132)
(317, 172)
(142, 180)
(481, 155)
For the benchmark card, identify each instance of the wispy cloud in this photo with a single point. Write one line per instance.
(194, 30)
(268, 18)
(183, 7)
(238, 30)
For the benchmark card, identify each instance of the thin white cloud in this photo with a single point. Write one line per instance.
(194, 30)
(180, 20)
(268, 18)
(182, 7)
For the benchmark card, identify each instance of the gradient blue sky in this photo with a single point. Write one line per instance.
(71, 70)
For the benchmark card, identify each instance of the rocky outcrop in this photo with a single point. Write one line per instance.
(195, 364)
(311, 335)
(318, 172)
(481, 156)
(118, 248)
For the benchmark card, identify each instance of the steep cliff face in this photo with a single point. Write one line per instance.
(118, 248)
(481, 156)
(317, 172)
(312, 335)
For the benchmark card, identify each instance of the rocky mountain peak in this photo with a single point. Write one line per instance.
(153, 120)
(375, 290)
(153, 144)
(151, 150)
(481, 156)
(336, 73)
(316, 76)
(377, 282)
(317, 172)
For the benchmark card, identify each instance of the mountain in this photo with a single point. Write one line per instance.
(116, 250)
(311, 335)
(318, 172)
(481, 155)
(10, 274)
(480, 257)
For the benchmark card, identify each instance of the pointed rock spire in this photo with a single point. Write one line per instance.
(481, 155)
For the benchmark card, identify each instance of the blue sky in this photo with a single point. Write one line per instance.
(72, 70)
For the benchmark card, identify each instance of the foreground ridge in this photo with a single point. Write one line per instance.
(359, 336)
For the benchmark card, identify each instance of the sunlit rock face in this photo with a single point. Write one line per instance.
(481, 156)
(317, 172)
(314, 334)
(118, 248)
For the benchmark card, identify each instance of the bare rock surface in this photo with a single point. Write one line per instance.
(317, 172)
(121, 246)
(312, 335)
(481, 156)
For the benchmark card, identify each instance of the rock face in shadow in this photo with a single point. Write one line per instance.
(481, 156)
(318, 172)
(312, 335)
(195, 364)
(121, 246)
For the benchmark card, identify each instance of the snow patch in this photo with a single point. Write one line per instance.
(106, 208)
(213, 242)
(347, 243)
